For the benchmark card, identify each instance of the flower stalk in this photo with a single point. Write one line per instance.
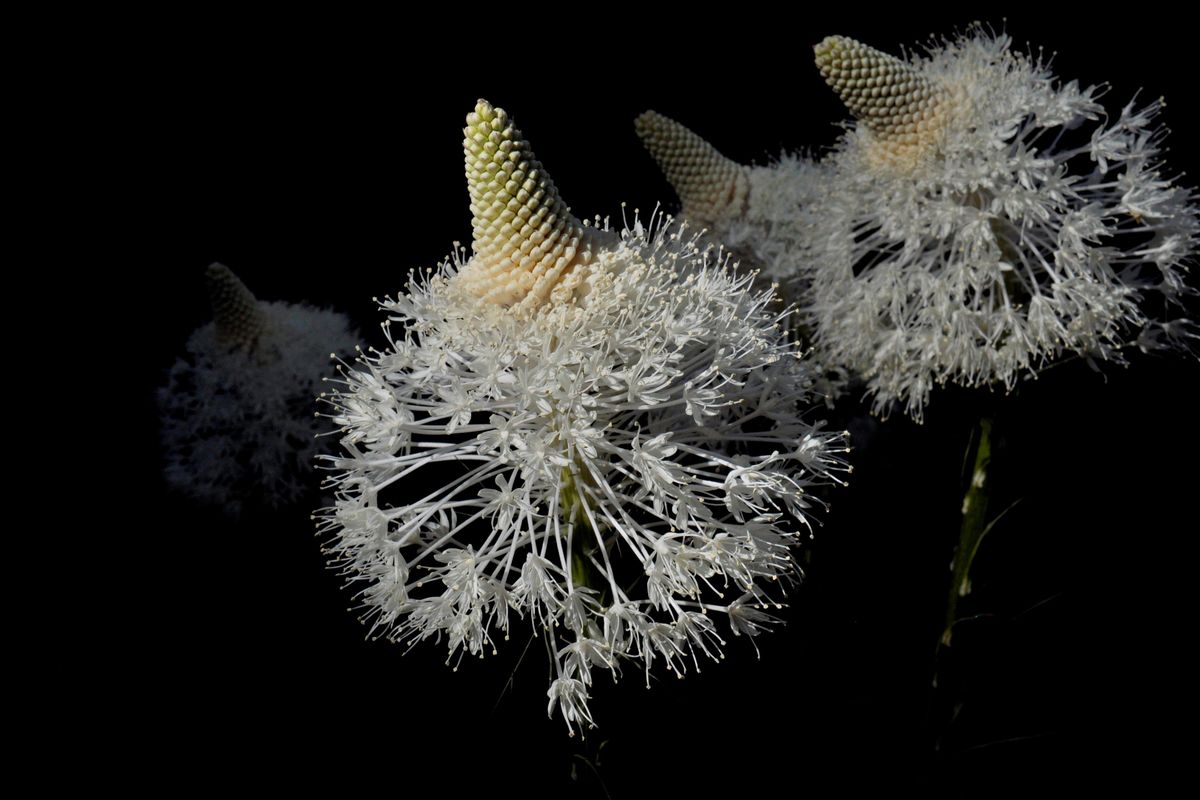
(974, 524)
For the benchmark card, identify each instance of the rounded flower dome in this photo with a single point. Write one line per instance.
(602, 433)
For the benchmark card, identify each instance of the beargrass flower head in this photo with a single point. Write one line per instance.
(986, 218)
(237, 412)
(595, 432)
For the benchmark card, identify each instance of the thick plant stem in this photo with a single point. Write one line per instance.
(974, 526)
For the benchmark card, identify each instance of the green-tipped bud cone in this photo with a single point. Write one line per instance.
(710, 186)
(525, 240)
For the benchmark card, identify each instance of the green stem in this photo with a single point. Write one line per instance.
(974, 526)
(571, 512)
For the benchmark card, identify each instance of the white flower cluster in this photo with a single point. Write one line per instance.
(617, 464)
(979, 220)
(237, 410)
(985, 219)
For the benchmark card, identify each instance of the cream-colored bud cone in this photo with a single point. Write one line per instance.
(525, 239)
(710, 186)
(901, 107)
(238, 316)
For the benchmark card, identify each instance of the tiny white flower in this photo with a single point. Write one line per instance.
(627, 440)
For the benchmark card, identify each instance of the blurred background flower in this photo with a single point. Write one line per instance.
(238, 411)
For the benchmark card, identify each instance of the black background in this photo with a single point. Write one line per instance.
(321, 160)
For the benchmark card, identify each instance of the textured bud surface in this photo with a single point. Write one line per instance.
(525, 240)
(710, 186)
(238, 317)
(901, 107)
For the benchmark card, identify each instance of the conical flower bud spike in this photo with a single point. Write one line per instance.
(710, 186)
(525, 240)
(238, 317)
(898, 104)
